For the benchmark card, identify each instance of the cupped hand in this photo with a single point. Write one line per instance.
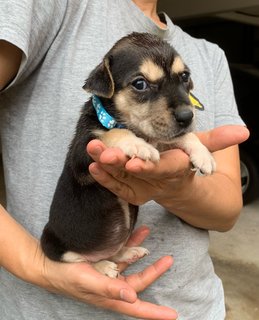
(82, 282)
(138, 181)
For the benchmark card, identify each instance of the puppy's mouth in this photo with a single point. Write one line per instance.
(161, 132)
(168, 133)
(173, 124)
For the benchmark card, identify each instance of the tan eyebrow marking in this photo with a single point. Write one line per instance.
(151, 71)
(178, 65)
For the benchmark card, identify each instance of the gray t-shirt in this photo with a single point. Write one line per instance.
(62, 41)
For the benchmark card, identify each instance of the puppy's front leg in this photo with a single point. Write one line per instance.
(200, 156)
(131, 145)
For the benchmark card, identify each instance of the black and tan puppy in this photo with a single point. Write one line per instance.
(140, 104)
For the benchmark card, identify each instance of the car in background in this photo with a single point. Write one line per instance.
(246, 86)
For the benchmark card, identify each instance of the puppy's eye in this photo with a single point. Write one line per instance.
(140, 84)
(185, 76)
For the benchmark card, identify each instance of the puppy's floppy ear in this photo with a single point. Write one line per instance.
(100, 81)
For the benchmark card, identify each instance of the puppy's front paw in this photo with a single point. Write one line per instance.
(107, 268)
(137, 147)
(203, 161)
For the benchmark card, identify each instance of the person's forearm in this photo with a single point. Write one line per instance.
(10, 59)
(211, 202)
(17, 247)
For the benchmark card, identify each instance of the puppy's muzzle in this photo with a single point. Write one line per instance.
(183, 116)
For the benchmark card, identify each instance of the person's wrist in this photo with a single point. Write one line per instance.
(33, 264)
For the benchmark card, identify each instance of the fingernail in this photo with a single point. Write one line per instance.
(128, 296)
(97, 150)
(94, 169)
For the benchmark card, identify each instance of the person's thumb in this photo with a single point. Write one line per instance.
(223, 137)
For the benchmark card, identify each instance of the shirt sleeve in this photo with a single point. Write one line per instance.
(31, 25)
(226, 111)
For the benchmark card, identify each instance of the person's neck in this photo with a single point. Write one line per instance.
(149, 8)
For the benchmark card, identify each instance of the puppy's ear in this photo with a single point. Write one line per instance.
(100, 81)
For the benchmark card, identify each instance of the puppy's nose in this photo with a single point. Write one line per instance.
(183, 116)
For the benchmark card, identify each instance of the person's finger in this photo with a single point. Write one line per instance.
(223, 137)
(120, 183)
(107, 156)
(171, 161)
(109, 162)
(140, 310)
(145, 278)
(95, 148)
(137, 237)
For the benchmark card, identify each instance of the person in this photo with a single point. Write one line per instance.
(47, 49)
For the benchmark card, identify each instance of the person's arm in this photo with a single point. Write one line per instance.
(10, 60)
(210, 202)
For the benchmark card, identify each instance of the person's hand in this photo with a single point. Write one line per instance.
(84, 283)
(138, 181)
(22, 256)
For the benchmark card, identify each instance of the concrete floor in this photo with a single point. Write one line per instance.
(236, 259)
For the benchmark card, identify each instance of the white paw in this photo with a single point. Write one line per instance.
(203, 161)
(130, 254)
(107, 268)
(137, 147)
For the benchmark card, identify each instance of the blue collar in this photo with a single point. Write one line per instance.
(103, 116)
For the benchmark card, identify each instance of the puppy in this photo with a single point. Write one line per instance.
(140, 104)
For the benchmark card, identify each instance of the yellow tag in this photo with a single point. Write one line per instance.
(195, 102)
